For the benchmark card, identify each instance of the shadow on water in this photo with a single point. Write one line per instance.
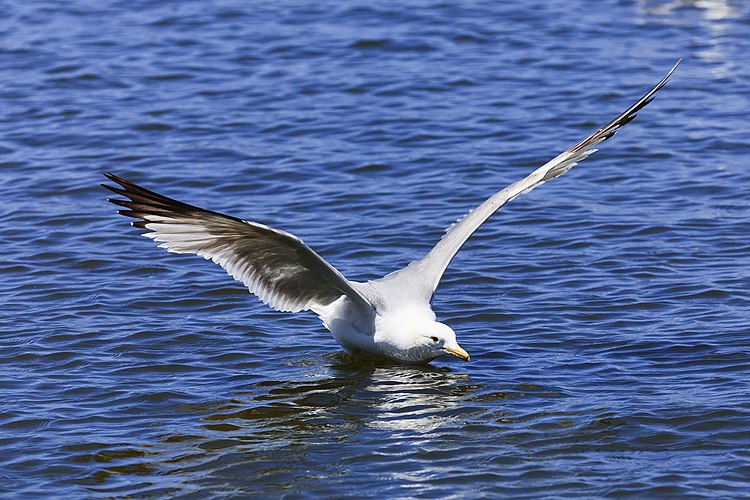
(278, 429)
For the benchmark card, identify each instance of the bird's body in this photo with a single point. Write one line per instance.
(402, 334)
(390, 317)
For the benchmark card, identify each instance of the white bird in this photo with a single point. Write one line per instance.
(389, 317)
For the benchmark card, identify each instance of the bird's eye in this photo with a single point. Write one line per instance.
(434, 338)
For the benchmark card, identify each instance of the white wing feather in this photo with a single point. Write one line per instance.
(276, 266)
(423, 276)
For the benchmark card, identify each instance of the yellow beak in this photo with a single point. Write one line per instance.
(458, 352)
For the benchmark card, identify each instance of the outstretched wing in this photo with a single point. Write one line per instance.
(424, 275)
(276, 266)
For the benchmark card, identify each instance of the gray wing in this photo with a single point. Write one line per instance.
(424, 275)
(276, 266)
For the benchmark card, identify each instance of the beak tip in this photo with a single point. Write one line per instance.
(459, 353)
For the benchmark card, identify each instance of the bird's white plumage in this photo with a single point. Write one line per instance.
(424, 275)
(390, 317)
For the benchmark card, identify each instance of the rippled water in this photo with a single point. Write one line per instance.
(607, 312)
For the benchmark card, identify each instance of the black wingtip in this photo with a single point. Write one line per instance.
(119, 180)
(669, 74)
(114, 189)
(114, 178)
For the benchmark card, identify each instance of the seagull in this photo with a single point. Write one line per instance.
(388, 317)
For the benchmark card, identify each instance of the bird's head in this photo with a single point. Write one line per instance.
(433, 340)
(442, 340)
(412, 337)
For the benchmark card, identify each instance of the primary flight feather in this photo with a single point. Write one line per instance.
(390, 317)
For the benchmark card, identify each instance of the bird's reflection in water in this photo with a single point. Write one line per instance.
(413, 399)
(279, 429)
(345, 394)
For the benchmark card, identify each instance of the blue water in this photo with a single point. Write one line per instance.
(607, 312)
